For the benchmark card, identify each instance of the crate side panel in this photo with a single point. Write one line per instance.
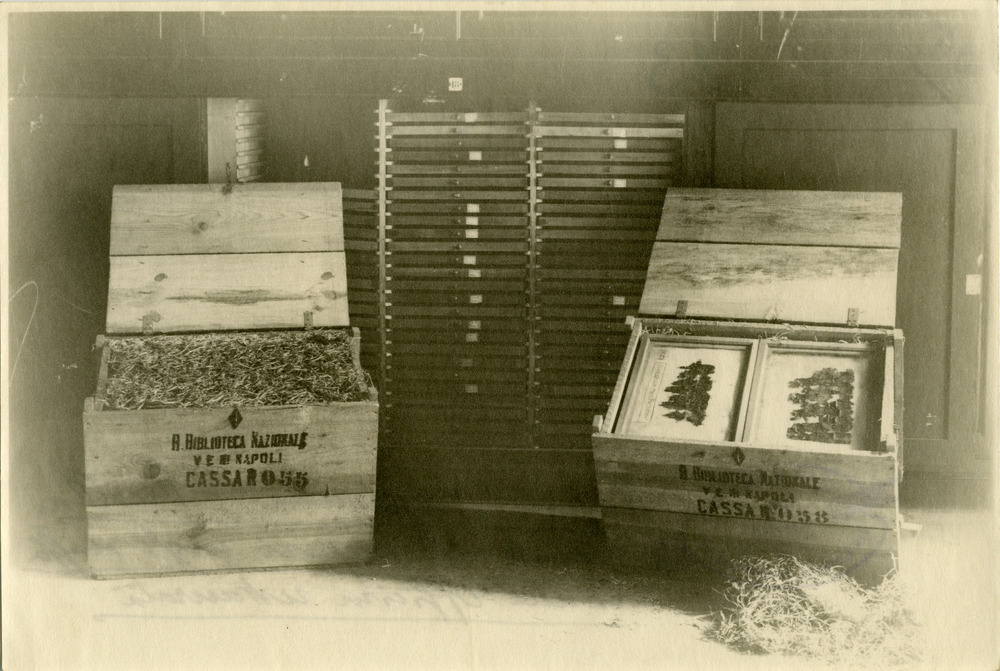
(225, 535)
(646, 539)
(171, 455)
(789, 488)
(224, 292)
(226, 219)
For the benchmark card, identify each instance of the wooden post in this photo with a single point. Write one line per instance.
(532, 396)
(383, 150)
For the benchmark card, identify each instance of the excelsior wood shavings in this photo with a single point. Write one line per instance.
(222, 369)
(782, 605)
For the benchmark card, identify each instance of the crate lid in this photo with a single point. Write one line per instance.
(818, 257)
(217, 257)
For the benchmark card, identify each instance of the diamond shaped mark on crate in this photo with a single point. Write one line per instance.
(235, 417)
(739, 457)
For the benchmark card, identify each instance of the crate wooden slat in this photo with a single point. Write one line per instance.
(226, 291)
(647, 539)
(140, 448)
(197, 219)
(132, 540)
(754, 282)
(842, 219)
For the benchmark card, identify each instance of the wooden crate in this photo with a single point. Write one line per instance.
(217, 488)
(717, 441)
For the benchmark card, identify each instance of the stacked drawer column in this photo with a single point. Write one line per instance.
(456, 267)
(601, 182)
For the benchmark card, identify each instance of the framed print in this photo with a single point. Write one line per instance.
(815, 394)
(687, 388)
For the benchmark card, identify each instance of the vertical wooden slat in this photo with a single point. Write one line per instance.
(532, 395)
(383, 107)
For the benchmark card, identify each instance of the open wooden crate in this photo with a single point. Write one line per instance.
(759, 405)
(181, 489)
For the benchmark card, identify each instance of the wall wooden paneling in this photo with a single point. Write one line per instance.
(934, 156)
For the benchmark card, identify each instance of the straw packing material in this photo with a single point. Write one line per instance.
(786, 606)
(249, 369)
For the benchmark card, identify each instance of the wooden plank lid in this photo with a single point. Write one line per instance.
(214, 257)
(793, 256)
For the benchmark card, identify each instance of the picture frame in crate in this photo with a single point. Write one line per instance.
(688, 388)
(812, 394)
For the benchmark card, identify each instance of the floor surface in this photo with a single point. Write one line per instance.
(449, 611)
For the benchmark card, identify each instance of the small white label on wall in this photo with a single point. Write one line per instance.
(618, 132)
(619, 183)
(475, 273)
(471, 337)
(470, 117)
(475, 156)
(471, 233)
(618, 300)
(472, 221)
(469, 260)
(621, 144)
(472, 208)
(475, 325)
(471, 389)
(454, 83)
(475, 299)
(973, 285)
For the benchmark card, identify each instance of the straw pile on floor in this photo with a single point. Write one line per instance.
(785, 606)
(246, 369)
